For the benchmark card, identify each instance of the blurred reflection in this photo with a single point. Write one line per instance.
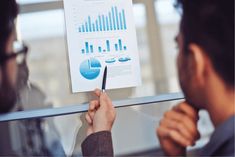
(34, 137)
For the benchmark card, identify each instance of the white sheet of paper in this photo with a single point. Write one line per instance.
(100, 33)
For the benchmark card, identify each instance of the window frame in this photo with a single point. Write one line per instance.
(80, 108)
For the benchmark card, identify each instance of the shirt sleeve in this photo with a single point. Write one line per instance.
(98, 144)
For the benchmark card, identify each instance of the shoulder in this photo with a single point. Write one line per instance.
(222, 140)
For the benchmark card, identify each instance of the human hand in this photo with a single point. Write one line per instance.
(101, 114)
(178, 129)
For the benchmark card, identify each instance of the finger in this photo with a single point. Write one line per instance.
(178, 126)
(94, 105)
(175, 136)
(178, 138)
(88, 119)
(187, 109)
(91, 114)
(105, 101)
(97, 92)
(162, 132)
(179, 117)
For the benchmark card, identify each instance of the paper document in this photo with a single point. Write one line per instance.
(102, 33)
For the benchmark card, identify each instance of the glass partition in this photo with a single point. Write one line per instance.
(62, 136)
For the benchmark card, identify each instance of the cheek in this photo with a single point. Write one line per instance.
(179, 64)
(12, 71)
(183, 72)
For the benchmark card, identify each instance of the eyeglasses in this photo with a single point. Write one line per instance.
(20, 53)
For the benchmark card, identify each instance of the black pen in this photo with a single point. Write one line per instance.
(104, 79)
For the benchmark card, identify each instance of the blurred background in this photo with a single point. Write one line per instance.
(41, 25)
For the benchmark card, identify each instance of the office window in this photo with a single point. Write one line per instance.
(157, 63)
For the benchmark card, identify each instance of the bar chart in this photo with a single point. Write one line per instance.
(102, 33)
(106, 46)
(114, 20)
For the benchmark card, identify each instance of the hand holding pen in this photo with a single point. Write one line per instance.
(101, 113)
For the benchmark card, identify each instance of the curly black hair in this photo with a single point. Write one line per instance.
(210, 24)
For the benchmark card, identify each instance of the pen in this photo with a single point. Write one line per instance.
(104, 79)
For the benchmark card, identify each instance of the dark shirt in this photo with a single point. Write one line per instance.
(98, 144)
(222, 140)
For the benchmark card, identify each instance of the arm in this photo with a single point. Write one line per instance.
(100, 119)
(98, 144)
(178, 130)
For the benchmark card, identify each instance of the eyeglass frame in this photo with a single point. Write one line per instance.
(4, 58)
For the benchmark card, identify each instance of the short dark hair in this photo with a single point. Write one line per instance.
(8, 13)
(210, 24)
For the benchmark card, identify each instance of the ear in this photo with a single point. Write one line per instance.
(198, 63)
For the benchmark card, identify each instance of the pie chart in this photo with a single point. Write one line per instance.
(112, 60)
(124, 59)
(90, 69)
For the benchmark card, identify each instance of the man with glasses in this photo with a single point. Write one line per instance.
(11, 54)
(13, 79)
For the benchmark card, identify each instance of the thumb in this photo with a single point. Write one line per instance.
(105, 101)
(97, 92)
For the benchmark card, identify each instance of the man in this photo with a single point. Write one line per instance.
(8, 64)
(13, 83)
(206, 74)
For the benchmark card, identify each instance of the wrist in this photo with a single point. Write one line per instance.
(102, 129)
(102, 126)
(180, 152)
